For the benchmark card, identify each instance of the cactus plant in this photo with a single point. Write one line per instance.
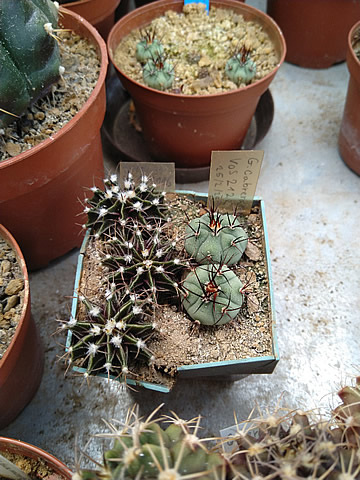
(29, 55)
(158, 73)
(215, 238)
(212, 294)
(240, 68)
(148, 47)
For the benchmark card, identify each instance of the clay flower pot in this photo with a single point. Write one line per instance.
(40, 188)
(349, 137)
(22, 363)
(10, 445)
(315, 30)
(100, 13)
(184, 129)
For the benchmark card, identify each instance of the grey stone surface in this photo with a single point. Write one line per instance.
(312, 204)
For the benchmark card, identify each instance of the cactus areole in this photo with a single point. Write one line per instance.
(29, 54)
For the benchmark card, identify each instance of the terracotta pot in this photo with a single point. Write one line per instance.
(100, 13)
(185, 128)
(315, 30)
(22, 363)
(40, 188)
(349, 137)
(30, 451)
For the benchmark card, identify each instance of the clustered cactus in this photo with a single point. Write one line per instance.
(213, 293)
(29, 54)
(287, 447)
(142, 268)
(240, 68)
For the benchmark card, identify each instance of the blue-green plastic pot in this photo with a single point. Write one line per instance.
(225, 370)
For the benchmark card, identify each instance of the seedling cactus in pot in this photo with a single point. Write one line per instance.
(144, 296)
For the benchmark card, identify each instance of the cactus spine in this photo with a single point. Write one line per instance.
(29, 55)
(240, 68)
(158, 73)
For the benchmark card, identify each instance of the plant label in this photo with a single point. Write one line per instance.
(10, 470)
(161, 173)
(206, 2)
(233, 178)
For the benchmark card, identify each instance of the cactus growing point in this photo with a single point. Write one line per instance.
(29, 55)
(158, 73)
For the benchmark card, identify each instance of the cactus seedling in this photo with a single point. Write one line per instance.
(240, 68)
(148, 48)
(215, 238)
(158, 73)
(212, 294)
(29, 55)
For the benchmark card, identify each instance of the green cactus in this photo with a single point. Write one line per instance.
(149, 47)
(158, 73)
(146, 450)
(240, 68)
(29, 54)
(212, 294)
(215, 238)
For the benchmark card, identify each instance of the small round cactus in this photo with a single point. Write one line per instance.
(29, 55)
(240, 68)
(158, 73)
(148, 47)
(215, 238)
(212, 294)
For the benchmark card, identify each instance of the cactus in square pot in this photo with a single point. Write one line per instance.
(45, 169)
(185, 127)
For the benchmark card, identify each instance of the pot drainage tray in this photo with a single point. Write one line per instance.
(124, 142)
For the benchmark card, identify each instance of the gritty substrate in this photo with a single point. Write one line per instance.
(198, 46)
(35, 468)
(177, 340)
(51, 113)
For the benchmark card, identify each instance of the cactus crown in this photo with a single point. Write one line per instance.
(158, 73)
(240, 68)
(29, 55)
(149, 47)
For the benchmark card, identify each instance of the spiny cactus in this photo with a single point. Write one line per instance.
(29, 55)
(240, 68)
(212, 294)
(215, 238)
(158, 73)
(148, 47)
(146, 450)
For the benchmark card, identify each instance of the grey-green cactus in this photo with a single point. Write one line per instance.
(212, 294)
(29, 54)
(158, 73)
(148, 47)
(215, 238)
(240, 68)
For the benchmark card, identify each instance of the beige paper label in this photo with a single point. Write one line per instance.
(160, 173)
(233, 178)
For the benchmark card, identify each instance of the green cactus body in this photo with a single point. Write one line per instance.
(29, 55)
(158, 73)
(240, 68)
(215, 238)
(147, 49)
(212, 294)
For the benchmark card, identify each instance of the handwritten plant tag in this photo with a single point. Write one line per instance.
(233, 178)
(10, 470)
(160, 173)
(236, 430)
(206, 2)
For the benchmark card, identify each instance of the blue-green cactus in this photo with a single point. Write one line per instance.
(215, 238)
(212, 294)
(158, 73)
(240, 68)
(29, 54)
(148, 47)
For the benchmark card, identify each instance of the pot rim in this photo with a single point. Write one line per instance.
(351, 35)
(92, 98)
(223, 3)
(4, 233)
(52, 461)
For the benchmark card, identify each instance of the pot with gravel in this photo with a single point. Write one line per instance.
(167, 287)
(349, 137)
(100, 13)
(194, 106)
(21, 353)
(54, 145)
